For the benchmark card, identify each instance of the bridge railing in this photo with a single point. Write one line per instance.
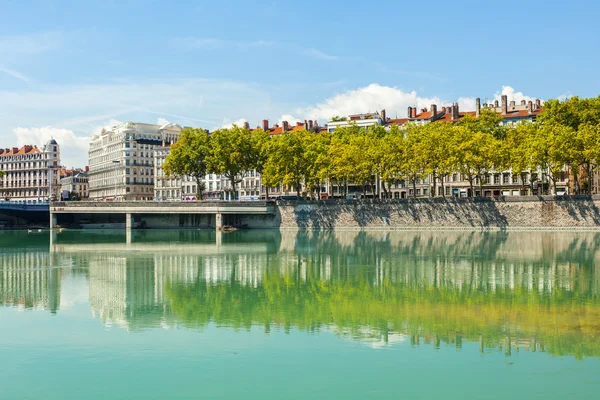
(160, 204)
(21, 204)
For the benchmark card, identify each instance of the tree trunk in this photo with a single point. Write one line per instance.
(198, 188)
(432, 193)
(267, 192)
(414, 188)
(471, 185)
(232, 182)
(589, 174)
(298, 191)
(480, 185)
(442, 186)
(385, 191)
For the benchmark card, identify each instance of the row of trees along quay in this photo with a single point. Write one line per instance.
(566, 135)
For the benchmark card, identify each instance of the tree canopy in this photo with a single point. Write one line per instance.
(188, 157)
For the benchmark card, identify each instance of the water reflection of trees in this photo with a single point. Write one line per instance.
(431, 287)
(506, 291)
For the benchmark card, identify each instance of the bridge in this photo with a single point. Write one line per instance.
(172, 214)
(26, 211)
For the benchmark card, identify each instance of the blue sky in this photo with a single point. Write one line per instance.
(69, 67)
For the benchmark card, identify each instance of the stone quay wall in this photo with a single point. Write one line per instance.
(523, 212)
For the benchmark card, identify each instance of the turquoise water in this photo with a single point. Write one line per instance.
(296, 315)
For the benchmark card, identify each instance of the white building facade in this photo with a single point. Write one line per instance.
(121, 160)
(32, 175)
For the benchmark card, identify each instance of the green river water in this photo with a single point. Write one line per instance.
(299, 315)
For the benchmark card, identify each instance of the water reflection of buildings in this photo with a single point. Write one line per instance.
(29, 280)
(376, 287)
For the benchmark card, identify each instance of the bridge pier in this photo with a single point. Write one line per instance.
(128, 221)
(218, 220)
(53, 221)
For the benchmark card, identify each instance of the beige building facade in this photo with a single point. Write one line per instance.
(121, 160)
(32, 174)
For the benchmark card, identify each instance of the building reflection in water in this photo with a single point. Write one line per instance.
(506, 291)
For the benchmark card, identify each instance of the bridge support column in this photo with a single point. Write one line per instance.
(53, 221)
(219, 220)
(128, 221)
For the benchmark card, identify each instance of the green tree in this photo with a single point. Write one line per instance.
(318, 168)
(387, 151)
(231, 154)
(188, 157)
(260, 142)
(288, 162)
(415, 150)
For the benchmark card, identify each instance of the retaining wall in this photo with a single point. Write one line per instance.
(565, 212)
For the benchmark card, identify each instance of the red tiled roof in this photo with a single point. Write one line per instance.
(28, 149)
(423, 115)
(397, 121)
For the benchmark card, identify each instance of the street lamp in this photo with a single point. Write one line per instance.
(116, 180)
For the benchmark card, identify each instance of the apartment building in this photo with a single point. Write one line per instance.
(32, 173)
(121, 160)
(77, 182)
(496, 183)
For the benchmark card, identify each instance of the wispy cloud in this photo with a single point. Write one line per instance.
(29, 44)
(319, 54)
(193, 43)
(15, 74)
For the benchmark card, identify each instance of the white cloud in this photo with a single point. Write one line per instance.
(228, 124)
(289, 118)
(369, 99)
(108, 125)
(162, 121)
(375, 97)
(565, 96)
(512, 95)
(73, 148)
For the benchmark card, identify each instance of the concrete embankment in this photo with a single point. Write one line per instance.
(531, 212)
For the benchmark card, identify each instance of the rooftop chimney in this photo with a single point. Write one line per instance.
(383, 116)
(455, 111)
(87, 169)
(310, 124)
(15, 149)
(530, 106)
(504, 104)
(512, 103)
(265, 125)
(477, 107)
(306, 125)
(538, 103)
(247, 125)
(523, 102)
(496, 103)
(285, 125)
(409, 112)
(433, 111)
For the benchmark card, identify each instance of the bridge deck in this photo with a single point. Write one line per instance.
(156, 207)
